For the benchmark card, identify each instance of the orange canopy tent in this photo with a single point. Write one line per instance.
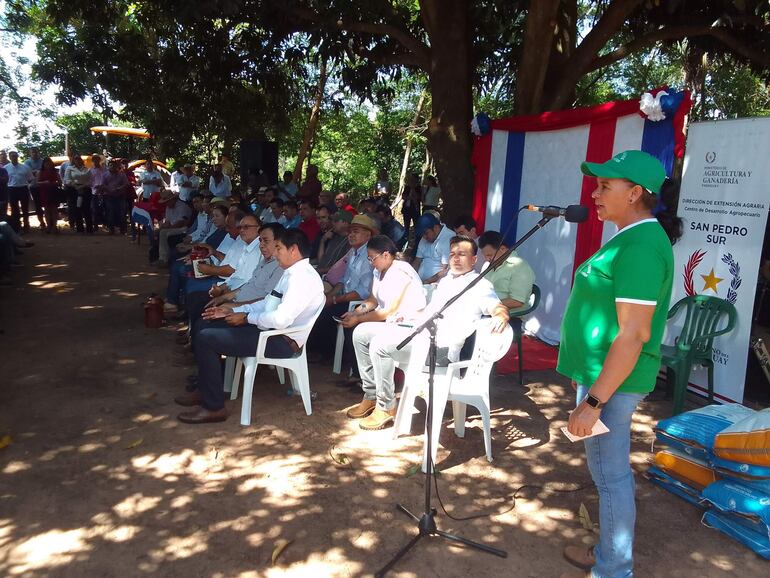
(121, 131)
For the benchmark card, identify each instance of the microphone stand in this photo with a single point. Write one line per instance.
(426, 524)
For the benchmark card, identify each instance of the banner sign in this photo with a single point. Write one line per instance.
(724, 204)
(536, 159)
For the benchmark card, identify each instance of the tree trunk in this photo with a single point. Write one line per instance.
(408, 148)
(451, 81)
(535, 56)
(312, 123)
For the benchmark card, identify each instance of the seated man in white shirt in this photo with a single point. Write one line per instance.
(432, 259)
(174, 224)
(378, 363)
(294, 301)
(465, 225)
(263, 279)
(243, 258)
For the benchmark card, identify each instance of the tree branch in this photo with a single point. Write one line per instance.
(13, 89)
(419, 50)
(678, 32)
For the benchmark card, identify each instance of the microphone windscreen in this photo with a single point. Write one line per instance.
(576, 214)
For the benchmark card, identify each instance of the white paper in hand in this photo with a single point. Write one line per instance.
(598, 429)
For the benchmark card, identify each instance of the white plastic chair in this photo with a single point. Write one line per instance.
(297, 366)
(337, 366)
(449, 385)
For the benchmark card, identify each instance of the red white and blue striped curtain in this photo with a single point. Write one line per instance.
(536, 160)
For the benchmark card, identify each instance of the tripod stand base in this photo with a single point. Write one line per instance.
(427, 527)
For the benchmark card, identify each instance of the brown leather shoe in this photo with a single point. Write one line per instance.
(362, 409)
(203, 415)
(378, 419)
(189, 399)
(580, 556)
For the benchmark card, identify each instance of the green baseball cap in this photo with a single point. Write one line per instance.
(636, 166)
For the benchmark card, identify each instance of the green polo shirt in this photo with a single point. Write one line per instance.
(513, 279)
(634, 266)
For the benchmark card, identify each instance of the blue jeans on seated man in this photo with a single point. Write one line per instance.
(609, 461)
(217, 338)
(177, 281)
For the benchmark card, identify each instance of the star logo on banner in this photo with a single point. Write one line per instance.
(711, 281)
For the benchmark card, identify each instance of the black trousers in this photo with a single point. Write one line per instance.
(79, 209)
(19, 199)
(217, 338)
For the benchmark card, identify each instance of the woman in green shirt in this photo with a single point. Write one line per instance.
(611, 334)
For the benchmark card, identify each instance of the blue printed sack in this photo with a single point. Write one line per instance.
(739, 529)
(693, 432)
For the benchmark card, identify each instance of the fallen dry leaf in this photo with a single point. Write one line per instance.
(5, 441)
(279, 547)
(585, 518)
(135, 444)
(339, 457)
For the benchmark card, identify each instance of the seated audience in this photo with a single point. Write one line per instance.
(175, 222)
(390, 227)
(334, 243)
(342, 204)
(354, 286)
(376, 347)
(294, 301)
(182, 270)
(291, 214)
(309, 224)
(325, 200)
(432, 258)
(275, 213)
(513, 278)
(263, 279)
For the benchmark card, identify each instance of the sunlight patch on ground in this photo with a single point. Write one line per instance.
(53, 548)
(135, 504)
(16, 466)
(333, 562)
(88, 307)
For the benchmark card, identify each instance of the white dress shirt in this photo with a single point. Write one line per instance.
(185, 193)
(244, 267)
(458, 321)
(434, 255)
(19, 175)
(296, 298)
(77, 176)
(148, 189)
(224, 247)
(221, 189)
(233, 253)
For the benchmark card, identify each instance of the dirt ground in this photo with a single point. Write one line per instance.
(102, 480)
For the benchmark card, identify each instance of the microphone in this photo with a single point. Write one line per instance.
(572, 214)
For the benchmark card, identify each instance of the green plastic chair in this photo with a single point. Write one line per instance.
(704, 313)
(516, 324)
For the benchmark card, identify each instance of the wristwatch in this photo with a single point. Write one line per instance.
(594, 402)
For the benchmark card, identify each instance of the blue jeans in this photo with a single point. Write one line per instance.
(609, 461)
